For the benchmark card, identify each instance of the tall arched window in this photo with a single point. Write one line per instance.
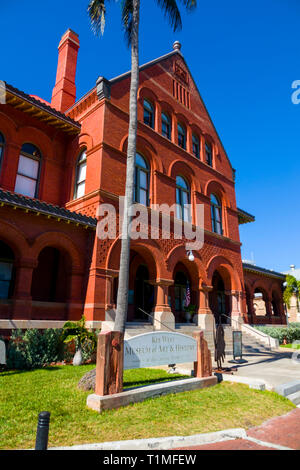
(196, 145)
(141, 180)
(28, 171)
(2, 143)
(182, 199)
(181, 136)
(148, 114)
(80, 175)
(166, 126)
(216, 214)
(208, 153)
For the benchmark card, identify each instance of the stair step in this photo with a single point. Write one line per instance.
(294, 398)
(289, 388)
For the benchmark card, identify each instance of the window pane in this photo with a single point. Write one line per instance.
(214, 200)
(82, 157)
(186, 214)
(148, 114)
(166, 126)
(181, 136)
(31, 150)
(178, 196)
(181, 183)
(80, 189)
(179, 211)
(143, 197)
(25, 186)
(81, 173)
(140, 161)
(218, 214)
(143, 180)
(208, 150)
(184, 198)
(28, 167)
(196, 146)
(219, 228)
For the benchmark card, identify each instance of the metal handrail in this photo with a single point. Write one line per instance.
(247, 326)
(171, 329)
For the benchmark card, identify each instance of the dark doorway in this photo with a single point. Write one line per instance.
(143, 295)
(50, 278)
(180, 295)
(219, 301)
(7, 271)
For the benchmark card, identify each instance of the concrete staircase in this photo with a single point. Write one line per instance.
(250, 344)
(290, 390)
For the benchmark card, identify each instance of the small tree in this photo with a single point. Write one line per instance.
(292, 288)
(77, 332)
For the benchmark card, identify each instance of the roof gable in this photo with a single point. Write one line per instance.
(173, 76)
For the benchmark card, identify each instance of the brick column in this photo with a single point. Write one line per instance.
(206, 319)
(75, 301)
(95, 301)
(162, 314)
(22, 300)
(236, 314)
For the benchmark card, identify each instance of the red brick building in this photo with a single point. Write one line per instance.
(60, 160)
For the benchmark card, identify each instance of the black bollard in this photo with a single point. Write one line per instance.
(42, 432)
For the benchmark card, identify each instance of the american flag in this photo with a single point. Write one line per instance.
(187, 295)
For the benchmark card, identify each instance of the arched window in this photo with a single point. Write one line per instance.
(80, 175)
(28, 171)
(141, 180)
(182, 199)
(148, 114)
(216, 214)
(166, 126)
(181, 136)
(2, 143)
(196, 146)
(208, 153)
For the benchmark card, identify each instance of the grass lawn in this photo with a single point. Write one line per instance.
(25, 394)
(291, 346)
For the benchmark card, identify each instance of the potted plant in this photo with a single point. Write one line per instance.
(190, 312)
(77, 332)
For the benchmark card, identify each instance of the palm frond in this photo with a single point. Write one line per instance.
(127, 9)
(96, 10)
(171, 12)
(189, 4)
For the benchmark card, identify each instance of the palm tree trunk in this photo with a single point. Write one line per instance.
(122, 298)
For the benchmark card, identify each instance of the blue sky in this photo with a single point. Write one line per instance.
(243, 56)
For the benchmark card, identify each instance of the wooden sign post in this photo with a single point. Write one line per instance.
(109, 367)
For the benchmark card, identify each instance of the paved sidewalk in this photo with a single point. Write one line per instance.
(280, 433)
(272, 367)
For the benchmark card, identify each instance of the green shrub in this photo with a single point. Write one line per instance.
(291, 333)
(34, 348)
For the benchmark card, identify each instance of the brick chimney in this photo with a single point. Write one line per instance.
(64, 92)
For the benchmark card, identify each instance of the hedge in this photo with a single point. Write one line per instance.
(33, 348)
(291, 333)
